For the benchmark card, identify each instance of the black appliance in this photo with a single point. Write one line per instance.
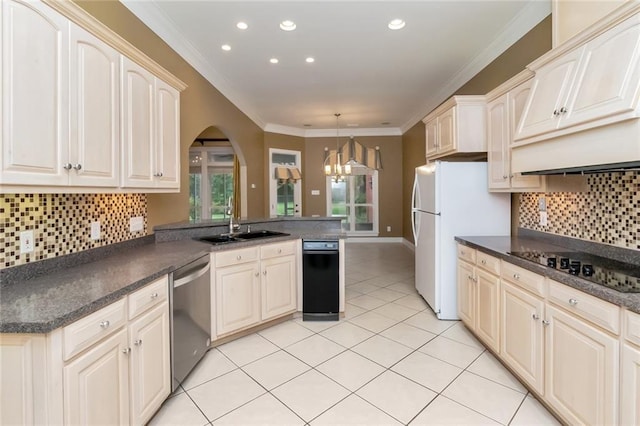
(620, 276)
(320, 280)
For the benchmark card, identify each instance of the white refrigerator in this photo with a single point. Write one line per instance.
(451, 199)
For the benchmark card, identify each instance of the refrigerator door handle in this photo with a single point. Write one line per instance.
(414, 211)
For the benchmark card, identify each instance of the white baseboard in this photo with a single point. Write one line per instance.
(374, 240)
(408, 244)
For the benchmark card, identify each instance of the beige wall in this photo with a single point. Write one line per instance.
(531, 46)
(201, 106)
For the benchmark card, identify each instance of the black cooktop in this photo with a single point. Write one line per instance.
(620, 276)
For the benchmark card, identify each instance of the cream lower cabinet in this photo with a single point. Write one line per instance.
(630, 385)
(466, 294)
(253, 285)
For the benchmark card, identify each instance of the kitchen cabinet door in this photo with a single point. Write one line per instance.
(278, 286)
(167, 143)
(522, 334)
(498, 143)
(630, 386)
(96, 384)
(94, 151)
(431, 128)
(137, 104)
(35, 86)
(150, 363)
(447, 131)
(549, 92)
(466, 294)
(488, 309)
(237, 297)
(581, 370)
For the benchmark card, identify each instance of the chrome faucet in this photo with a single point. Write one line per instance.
(233, 225)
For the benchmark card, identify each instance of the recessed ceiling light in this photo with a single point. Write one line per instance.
(225, 47)
(274, 60)
(242, 25)
(310, 60)
(287, 25)
(396, 24)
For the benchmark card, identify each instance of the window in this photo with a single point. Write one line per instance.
(285, 196)
(210, 182)
(355, 199)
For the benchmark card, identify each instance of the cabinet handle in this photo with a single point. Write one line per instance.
(154, 295)
(158, 174)
(138, 342)
(536, 317)
(545, 323)
(67, 166)
(126, 351)
(555, 113)
(239, 257)
(573, 302)
(104, 324)
(516, 276)
(563, 110)
(77, 167)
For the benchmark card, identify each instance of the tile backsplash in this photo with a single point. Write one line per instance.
(609, 212)
(61, 223)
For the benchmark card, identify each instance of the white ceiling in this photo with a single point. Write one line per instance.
(363, 70)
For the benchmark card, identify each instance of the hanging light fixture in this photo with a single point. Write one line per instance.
(337, 170)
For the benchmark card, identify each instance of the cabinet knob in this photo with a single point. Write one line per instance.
(105, 324)
(239, 257)
(555, 113)
(77, 167)
(257, 274)
(545, 323)
(573, 302)
(126, 351)
(563, 110)
(138, 342)
(516, 276)
(484, 262)
(159, 174)
(264, 272)
(511, 176)
(154, 295)
(279, 251)
(67, 166)
(535, 317)
(504, 176)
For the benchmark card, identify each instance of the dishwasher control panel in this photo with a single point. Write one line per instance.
(320, 245)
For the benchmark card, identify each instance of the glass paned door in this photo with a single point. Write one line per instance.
(221, 186)
(210, 182)
(355, 200)
(285, 196)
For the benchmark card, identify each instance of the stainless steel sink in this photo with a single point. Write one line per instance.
(242, 236)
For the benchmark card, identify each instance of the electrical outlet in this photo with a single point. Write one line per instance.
(26, 242)
(543, 218)
(136, 224)
(542, 204)
(95, 230)
(388, 229)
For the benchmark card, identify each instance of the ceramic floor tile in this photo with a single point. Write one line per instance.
(406, 288)
(459, 333)
(275, 369)
(382, 350)
(350, 294)
(352, 311)
(367, 302)
(315, 350)
(212, 365)
(408, 335)
(426, 320)
(316, 326)
(286, 334)
(396, 396)
(264, 410)
(386, 294)
(350, 370)
(347, 334)
(220, 396)
(412, 301)
(490, 368)
(310, 394)
(364, 288)
(443, 411)
(373, 322)
(484, 396)
(532, 413)
(396, 312)
(427, 371)
(247, 349)
(179, 410)
(450, 351)
(354, 410)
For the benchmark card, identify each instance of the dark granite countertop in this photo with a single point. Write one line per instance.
(501, 246)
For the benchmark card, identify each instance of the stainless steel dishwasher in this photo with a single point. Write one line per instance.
(320, 280)
(190, 317)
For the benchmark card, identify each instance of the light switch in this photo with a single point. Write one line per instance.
(315, 192)
(136, 224)
(26, 242)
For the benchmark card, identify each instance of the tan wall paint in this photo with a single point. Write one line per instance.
(201, 106)
(292, 143)
(531, 46)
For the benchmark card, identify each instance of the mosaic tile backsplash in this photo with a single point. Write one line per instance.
(609, 212)
(61, 223)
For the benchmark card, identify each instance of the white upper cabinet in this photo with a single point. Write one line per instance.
(167, 135)
(590, 85)
(35, 88)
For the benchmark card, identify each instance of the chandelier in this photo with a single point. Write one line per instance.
(337, 170)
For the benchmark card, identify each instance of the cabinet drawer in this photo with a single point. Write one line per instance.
(632, 327)
(148, 296)
(489, 263)
(466, 253)
(526, 279)
(90, 329)
(236, 257)
(278, 249)
(602, 313)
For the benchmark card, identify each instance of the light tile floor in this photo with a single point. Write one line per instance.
(390, 361)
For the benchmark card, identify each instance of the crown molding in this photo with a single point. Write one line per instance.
(331, 133)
